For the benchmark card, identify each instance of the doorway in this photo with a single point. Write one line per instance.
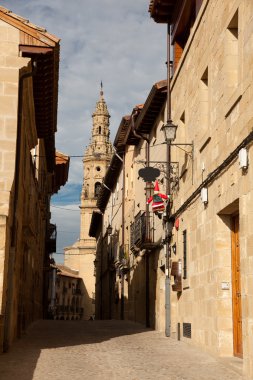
(236, 289)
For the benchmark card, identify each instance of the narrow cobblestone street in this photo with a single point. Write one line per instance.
(108, 350)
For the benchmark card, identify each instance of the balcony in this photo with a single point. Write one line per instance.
(142, 233)
(60, 308)
(76, 291)
(51, 240)
(123, 263)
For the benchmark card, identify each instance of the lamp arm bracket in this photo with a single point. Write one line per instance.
(154, 162)
(179, 146)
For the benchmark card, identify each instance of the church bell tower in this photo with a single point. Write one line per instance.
(80, 256)
(95, 162)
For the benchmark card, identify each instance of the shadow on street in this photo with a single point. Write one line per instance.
(21, 360)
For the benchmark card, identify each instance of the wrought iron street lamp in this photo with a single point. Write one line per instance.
(109, 230)
(169, 129)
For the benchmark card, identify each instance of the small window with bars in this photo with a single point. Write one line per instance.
(187, 330)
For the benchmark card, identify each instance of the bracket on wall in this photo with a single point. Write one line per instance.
(161, 167)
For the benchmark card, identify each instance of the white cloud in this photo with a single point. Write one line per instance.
(110, 40)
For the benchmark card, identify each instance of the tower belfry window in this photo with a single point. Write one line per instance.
(97, 188)
(99, 130)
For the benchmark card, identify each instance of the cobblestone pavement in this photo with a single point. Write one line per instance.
(96, 350)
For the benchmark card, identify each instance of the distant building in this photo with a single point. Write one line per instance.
(96, 159)
(30, 171)
(64, 294)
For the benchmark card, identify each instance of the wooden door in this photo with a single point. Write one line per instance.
(236, 288)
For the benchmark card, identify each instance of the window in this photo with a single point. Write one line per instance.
(99, 130)
(182, 27)
(204, 100)
(185, 254)
(232, 53)
(86, 191)
(97, 189)
(184, 158)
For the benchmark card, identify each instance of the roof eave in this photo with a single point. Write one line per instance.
(61, 170)
(152, 106)
(95, 223)
(162, 11)
(110, 179)
(24, 25)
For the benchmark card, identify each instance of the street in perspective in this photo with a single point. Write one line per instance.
(94, 350)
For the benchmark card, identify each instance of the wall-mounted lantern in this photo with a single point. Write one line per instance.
(169, 129)
(204, 195)
(243, 158)
(109, 230)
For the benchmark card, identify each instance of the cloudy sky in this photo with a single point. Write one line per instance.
(115, 41)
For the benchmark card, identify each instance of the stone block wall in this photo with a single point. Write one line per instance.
(210, 73)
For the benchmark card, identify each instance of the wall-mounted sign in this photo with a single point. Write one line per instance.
(225, 285)
(149, 174)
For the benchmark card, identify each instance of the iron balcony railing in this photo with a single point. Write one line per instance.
(124, 257)
(76, 291)
(51, 240)
(142, 232)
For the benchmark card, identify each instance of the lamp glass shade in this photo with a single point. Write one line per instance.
(169, 131)
(109, 229)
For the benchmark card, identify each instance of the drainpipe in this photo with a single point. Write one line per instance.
(147, 279)
(139, 135)
(110, 272)
(12, 253)
(101, 276)
(168, 188)
(147, 251)
(122, 309)
(52, 303)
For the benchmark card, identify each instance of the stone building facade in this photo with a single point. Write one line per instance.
(204, 239)
(213, 236)
(130, 261)
(64, 294)
(96, 159)
(29, 173)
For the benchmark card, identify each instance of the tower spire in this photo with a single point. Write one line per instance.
(101, 89)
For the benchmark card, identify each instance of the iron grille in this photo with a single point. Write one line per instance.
(187, 330)
(124, 253)
(51, 240)
(138, 230)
